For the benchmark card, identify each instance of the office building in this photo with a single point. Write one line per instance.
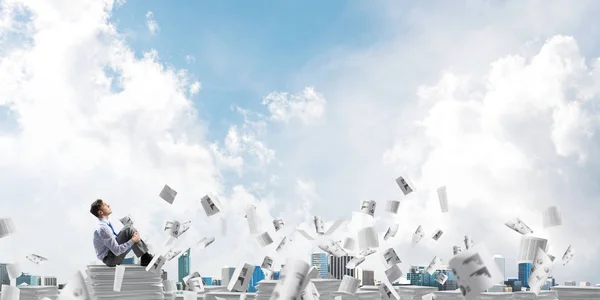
(571, 283)
(514, 284)
(501, 263)
(179, 286)
(208, 281)
(337, 266)
(216, 282)
(184, 264)
(226, 274)
(418, 276)
(257, 276)
(320, 261)
(28, 279)
(276, 275)
(524, 270)
(4, 279)
(366, 277)
(585, 283)
(49, 281)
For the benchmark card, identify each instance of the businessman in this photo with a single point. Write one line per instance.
(111, 248)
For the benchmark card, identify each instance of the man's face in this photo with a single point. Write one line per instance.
(105, 209)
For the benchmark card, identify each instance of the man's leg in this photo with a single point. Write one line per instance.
(111, 260)
(125, 235)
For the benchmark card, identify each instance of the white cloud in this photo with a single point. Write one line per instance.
(195, 88)
(151, 23)
(190, 59)
(308, 106)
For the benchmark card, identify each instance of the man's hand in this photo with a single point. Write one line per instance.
(136, 237)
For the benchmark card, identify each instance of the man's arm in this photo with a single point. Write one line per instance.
(110, 240)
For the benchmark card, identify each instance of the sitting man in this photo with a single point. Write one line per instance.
(111, 248)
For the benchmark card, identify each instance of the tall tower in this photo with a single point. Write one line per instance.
(184, 265)
(501, 263)
(319, 260)
(337, 266)
(524, 270)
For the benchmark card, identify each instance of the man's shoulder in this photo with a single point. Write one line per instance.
(100, 227)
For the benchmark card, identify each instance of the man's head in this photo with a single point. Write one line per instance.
(100, 209)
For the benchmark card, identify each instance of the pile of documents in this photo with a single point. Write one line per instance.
(448, 295)
(407, 292)
(224, 295)
(136, 284)
(359, 295)
(29, 292)
(326, 287)
(265, 289)
(500, 296)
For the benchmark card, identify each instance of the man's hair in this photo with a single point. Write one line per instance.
(96, 205)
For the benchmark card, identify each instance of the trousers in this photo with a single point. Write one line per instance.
(124, 236)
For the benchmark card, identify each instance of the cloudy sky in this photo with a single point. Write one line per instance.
(299, 108)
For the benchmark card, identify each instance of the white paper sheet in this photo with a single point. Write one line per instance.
(519, 226)
(540, 269)
(368, 207)
(367, 238)
(528, 248)
(475, 271)
(418, 235)
(349, 285)
(393, 273)
(278, 224)
(349, 244)
(252, 218)
(569, 253)
(391, 231)
(14, 270)
(437, 234)
(10, 292)
(291, 280)
(392, 206)
(405, 185)
(118, 281)
(387, 292)
(391, 258)
(168, 194)
(433, 265)
(210, 204)
(552, 217)
(443, 198)
(319, 225)
(264, 239)
(267, 263)
(240, 278)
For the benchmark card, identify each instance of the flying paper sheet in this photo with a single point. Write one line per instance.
(267, 263)
(189, 295)
(156, 264)
(393, 273)
(284, 242)
(519, 226)
(252, 219)
(540, 269)
(391, 258)
(172, 253)
(392, 206)
(367, 238)
(36, 259)
(305, 234)
(418, 235)
(168, 194)
(475, 271)
(75, 289)
(176, 228)
(391, 232)
(438, 233)
(552, 217)
(319, 225)
(6, 227)
(240, 278)
(468, 242)
(367, 252)
(349, 285)
(278, 224)
(355, 262)
(528, 248)
(433, 265)
(223, 226)
(349, 244)
(332, 248)
(388, 292)
(430, 296)
(310, 292)
(10, 292)
(13, 270)
(456, 250)
(118, 281)
(568, 255)
(405, 185)
(210, 205)
(194, 282)
(443, 197)
(169, 286)
(441, 278)
(126, 220)
(368, 207)
(334, 227)
(291, 280)
(205, 242)
(264, 239)
(313, 273)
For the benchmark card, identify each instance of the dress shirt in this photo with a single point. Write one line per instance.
(105, 240)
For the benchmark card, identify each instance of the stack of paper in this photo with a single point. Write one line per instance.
(498, 296)
(448, 295)
(359, 295)
(407, 292)
(224, 295)
(265, 289)
(137, 284)
(575, 292)
(326, 287)
(29, 292)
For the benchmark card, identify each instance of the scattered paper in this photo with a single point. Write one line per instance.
(519, 226)
(223, 226)
(368, 207)
(441, 278)
(391, 258)
(468, 242)
(10, 292)
(528, 248)
(168, 194)
(6, 227)
(75, 289)
(240, 278)
(443, 197)
(438, 233)
(405, 185)
(305, 234)
(310, 292)
(172, 253)
(118, 281)
(194, 282)
(319, 225)
(13, 270)
(367, 238)
(391, 231)
(36, 259)
(210, 205)
(126, 220)
(264, 239)
(278, 224)
(332, 248)
(552, 217)
(349, 244)
(475, 271)
(267, 263)
(568, 255)
(284, 242)
(205, 242)
(392, 206)
(540, 269)
(252, 219)
(349, 285)
(393, 273)
(354, 262)
(156, 264)
(334, 227)
(388, 292)
(418, 235)
(456, 250)
(433, 265)
(176, 228)
(291, 280)
(367, 252)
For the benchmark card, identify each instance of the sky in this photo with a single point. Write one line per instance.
(299, 108)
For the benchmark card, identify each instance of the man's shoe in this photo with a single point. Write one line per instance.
(146, 259)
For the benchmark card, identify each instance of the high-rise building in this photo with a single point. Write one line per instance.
(319, 260)
(418, 276)
(524, 270)
(257, 276)
(183, 266)
(208, 281)
(501, 263)
(337, 266)
(49, 281)
(4, 279)
(570, 283)
(514, 283)
(216, 282)
(276, 275)
(226, 274)
(28, 279)
(366, 277)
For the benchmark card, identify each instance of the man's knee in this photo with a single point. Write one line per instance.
(129, 230)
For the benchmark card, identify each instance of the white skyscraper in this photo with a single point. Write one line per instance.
(501, 262)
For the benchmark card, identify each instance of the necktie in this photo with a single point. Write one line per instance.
(113, 230)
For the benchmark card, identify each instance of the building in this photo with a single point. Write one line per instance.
(524, 270)
(4, 279)
(585, 283)
(49, 281)
(179, 286)
(337, 266)
(257, 276)
(418, 276)
(366, 277)
(514, 284)
(571, 283)
(216, 282)
(207, 281)
(226, 274)
(183, 266)
(28, 279)
(320, 261)
(276, 275)
(501, 263)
